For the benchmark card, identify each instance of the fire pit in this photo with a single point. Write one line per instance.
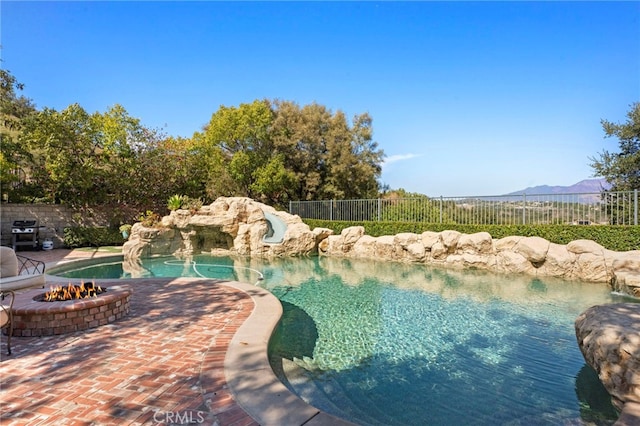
(70, 292)
(34, 315)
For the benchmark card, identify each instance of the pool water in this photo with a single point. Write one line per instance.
(382, 343)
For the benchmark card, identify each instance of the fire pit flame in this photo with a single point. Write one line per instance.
(71, 291)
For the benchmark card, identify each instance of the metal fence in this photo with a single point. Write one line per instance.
(610, 208)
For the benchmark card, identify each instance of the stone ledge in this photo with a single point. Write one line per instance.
(609, 338)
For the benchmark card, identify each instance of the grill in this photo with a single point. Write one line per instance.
(24, 233)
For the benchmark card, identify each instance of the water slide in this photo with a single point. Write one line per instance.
(277, 228)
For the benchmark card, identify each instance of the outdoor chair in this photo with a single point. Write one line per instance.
(16, 273)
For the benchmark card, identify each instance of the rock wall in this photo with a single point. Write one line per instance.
(229, 226)
(237, 226)
(609, 338)
(582, 260)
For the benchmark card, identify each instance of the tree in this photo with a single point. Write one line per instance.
(14, 109)
(63, 148)
(85, 159)
(236, 144)
(621, 169)
(329, 158)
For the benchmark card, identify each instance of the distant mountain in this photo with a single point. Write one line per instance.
(587, 185)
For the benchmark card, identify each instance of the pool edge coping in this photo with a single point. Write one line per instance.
(250, 377)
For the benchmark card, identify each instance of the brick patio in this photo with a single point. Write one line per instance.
(162, 364)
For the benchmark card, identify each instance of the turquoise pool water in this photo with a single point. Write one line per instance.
(392, 344)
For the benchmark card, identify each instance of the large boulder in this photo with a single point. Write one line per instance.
(534, 249)
(609, 338)
(559, 262)
(478, 243)
(626, 272)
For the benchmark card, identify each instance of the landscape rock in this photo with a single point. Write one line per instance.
(534, 249)
(609, 339)
(478, 243)
(230, 225)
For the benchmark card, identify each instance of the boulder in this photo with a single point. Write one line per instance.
(385, 248)
(559, 262)
(409, 247)
(450, 240)
(506, 243)
(626, 273)
(429, 238)
(534, 249)
(365, 247)
(512, 262)
(478, 243)
(350, 236)
(609, 339)
(592, 267)
(584, 246)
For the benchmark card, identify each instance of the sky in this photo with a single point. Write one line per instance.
(467, 98)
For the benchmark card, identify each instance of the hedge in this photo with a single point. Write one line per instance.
(612, 237)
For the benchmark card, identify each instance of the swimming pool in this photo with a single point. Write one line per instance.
(394, 344)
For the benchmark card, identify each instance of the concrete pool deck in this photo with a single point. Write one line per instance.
(190, 351)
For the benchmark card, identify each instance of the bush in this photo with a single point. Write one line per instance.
(79, 236)
(612, 237)
(149, 219)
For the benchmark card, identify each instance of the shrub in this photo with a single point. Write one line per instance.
(192, 204)
(79, 236)
(612, 237)
(175, 202)
(149, 219)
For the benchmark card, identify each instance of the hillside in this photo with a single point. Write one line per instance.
(587, 185)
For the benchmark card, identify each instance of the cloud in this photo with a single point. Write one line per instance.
(399, 157)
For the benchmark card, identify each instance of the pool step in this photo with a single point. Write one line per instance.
(299, 372)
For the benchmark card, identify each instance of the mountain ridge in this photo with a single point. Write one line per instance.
(584, 186)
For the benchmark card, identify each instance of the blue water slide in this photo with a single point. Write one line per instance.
(277, 228)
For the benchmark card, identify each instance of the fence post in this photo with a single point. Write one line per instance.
(635, 206)
(331, 209)
(441, 209)
(379, 210)
(524, 209)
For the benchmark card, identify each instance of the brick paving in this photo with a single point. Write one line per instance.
(162, 364)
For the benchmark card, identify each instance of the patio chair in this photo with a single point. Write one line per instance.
(16, 273)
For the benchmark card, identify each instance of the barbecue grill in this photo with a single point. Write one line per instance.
(24, 233)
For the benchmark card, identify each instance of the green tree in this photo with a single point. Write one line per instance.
(236, 144)
(63, 145)
(301, 135)
(87, 159)
(621, 169)
(329, 158)
(14, 109)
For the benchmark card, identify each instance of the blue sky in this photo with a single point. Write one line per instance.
(467, 98)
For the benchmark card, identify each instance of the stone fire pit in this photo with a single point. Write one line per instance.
(38, 318)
